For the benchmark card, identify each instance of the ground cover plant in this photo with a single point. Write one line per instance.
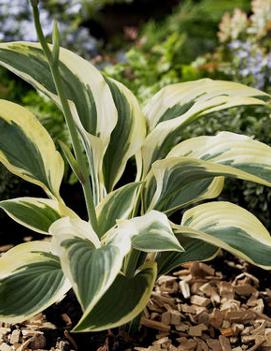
(134, 232)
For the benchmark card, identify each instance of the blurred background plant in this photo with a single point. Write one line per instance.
(244, 53)
(17, 24)
(163, 50)
(168, 42)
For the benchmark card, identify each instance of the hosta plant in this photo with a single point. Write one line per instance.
(111, 260)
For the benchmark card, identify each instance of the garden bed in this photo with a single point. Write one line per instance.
(199, 307)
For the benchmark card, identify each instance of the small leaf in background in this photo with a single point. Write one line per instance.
(117, 205)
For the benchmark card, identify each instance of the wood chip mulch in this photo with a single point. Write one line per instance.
(32, 335)
(193, 309)
(196, 310)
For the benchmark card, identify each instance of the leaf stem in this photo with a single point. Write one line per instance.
(79, 154)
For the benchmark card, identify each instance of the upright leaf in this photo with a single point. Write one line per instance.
(90, 98)
(122, 302)
(230, 149)
(90, 267)
(117, 205)
(174, 183)
(128, 135)
(186, 175)
(83, 83)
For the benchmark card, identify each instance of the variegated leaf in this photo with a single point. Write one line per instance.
(27, 150)
(177, 105)
(230, 227)
(194, 250)
(128, 135)
(149, 233)
(230, 149)
(176, 182)
(31, 280)
(90, 267)
(36, 214)
(122, 302)
(186, 175)
(84, 85)
(117, 205)
(90, 98)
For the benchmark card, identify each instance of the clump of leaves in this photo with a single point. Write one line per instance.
(112, 260)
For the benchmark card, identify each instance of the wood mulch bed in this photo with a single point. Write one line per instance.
(221, 306)
(195, 309)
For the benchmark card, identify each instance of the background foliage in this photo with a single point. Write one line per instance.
(163, 50)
